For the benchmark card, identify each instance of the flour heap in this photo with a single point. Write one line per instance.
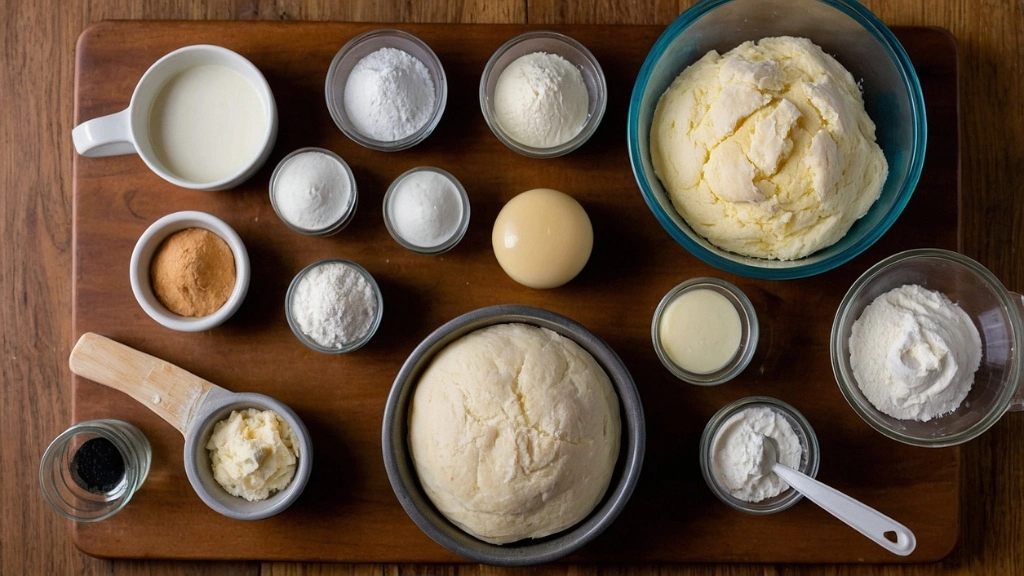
(914, 353)
(334, 304)
(738, 453)
(389, 95)
(541, 100)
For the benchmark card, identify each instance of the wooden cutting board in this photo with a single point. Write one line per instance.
(348, 512)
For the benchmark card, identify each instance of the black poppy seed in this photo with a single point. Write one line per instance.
(97, 466)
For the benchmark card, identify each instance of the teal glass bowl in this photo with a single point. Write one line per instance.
(844, 29)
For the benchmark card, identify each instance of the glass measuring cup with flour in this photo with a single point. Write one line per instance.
(987, 386)
(201, 117)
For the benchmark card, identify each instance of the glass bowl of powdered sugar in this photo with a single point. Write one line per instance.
(543, 94)
(313, 191)
(426, 210)
(927, 348)
(334, 306)
(386, 90)
(732, 453)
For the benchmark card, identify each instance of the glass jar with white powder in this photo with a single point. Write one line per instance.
(334, 306)
(543, 94)
(313, 191)
(426, 210)
(386, 90)
(732, 457)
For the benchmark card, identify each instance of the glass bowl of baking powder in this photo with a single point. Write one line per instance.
(989, 385)
(386, 90)
(426, 210)
(313, 192)
(543, 94)
(334, 306)
(732, 442)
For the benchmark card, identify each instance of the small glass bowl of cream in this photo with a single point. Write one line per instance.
(731, 443)
(426, 210)
(313, 192)
(573, 104)
(386, 90)
(705, 331)
(334, 306)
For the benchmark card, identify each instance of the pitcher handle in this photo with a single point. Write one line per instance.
(1017, 404)
(108, 135)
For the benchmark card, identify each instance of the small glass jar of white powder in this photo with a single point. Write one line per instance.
(426, 210)
(386, 90)
(334, 306)
(313, 191)
(732, 457)
(543, 94)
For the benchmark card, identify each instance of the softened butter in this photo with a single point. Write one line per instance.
(253, 453)
(767, 150)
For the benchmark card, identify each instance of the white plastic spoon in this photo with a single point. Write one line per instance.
(860, 516)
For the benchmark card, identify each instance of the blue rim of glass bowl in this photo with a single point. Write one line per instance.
(829, 257)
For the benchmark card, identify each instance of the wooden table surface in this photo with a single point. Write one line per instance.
(37, 80)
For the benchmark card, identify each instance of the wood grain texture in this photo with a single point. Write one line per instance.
(36, 79)
(353, 516)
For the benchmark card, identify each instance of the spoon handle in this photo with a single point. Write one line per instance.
(860, 516)
(169, 391)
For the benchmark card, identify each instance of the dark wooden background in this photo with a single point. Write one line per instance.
(37, 81)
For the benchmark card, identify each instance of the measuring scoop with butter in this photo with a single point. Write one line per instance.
(244, 481)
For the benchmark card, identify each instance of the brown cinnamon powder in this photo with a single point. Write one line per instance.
(193, 272)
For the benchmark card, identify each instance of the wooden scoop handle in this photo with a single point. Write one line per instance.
(172, 393)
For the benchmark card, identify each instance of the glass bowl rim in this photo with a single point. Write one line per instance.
(809, 265)
(592, 122)
(803, 428)
(846, 381)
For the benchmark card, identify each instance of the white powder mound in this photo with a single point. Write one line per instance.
(334, 305)
(737, 461)
(389, 95)
(541, 100)
(426, 209)
(914, 353)
(767, 150)
(312, 190)
(514, 432)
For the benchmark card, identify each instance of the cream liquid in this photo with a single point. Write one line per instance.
(207, 123)
(701, 330)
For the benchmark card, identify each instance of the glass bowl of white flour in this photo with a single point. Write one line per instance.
(543, 94)
(386, 90)
(334, 306)
(927, 348)
(732, 453)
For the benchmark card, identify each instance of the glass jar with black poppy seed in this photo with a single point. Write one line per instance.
(93, 469)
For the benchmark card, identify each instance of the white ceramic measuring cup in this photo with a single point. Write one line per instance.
(193, 406)
(859, 516)
(130, 131)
